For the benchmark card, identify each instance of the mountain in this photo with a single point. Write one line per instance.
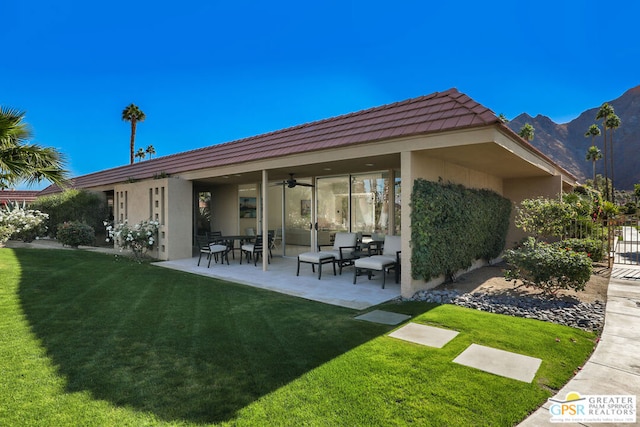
(566, 144)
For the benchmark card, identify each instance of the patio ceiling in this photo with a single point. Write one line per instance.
(490, 158)
(341, 167)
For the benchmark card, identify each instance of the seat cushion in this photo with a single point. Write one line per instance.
(376, 262)
(248, 247)
(217, 248)
(315, 257)
(346, 253)
(344, 239)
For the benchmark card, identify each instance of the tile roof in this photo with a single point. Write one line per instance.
(18, 196)
(438, 112)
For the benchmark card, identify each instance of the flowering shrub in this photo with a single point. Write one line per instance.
(548, 267)
(139, 238)
(18, 222)
(594, 248)
(75, 233)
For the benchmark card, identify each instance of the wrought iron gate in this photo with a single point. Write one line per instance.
(626, 244)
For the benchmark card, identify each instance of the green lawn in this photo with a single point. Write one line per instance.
(96, 340)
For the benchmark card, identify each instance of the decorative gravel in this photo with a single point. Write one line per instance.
(588, 316)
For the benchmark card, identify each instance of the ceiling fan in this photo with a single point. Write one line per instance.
(291, 182)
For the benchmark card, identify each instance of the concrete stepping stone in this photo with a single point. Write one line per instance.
(500, 362)
(424, 335)
(383, 317)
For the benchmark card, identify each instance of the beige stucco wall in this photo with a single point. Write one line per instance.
(224, 203)
(432, 169)
(517, 190)
(168, 201)
(419, 164)
(177, 231)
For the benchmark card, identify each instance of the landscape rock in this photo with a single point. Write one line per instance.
(588, 316)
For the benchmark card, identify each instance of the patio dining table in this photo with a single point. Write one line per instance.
(241, 238)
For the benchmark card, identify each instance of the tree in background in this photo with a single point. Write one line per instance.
(150, 151)
(134, 115)
(592, 132)
(24, 161)
(593, 155)
(605, 112)
(613, 123)
(527, 132)
(140, 154)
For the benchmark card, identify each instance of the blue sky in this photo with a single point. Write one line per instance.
(206, 72)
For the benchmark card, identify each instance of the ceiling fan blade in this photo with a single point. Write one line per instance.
(304, 184)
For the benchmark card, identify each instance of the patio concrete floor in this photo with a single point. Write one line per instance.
(281, 277)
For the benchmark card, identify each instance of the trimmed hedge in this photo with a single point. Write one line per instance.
(452, 226)
(73, 205)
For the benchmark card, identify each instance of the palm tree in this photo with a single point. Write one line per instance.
(592, 132)
(150, 151)
(604, 112)
(613, 123)
(527, 132)
(140, 154)
(134, 115)
(23, 161)
(594, 154)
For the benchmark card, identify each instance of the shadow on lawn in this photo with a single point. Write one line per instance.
(181, 346)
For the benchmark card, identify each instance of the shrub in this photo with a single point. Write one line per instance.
(592, 247)
(20, 223)
(548, 267)
(452, 226)
(543, 217)
(138, 238)
(73, 205)
(75, 233)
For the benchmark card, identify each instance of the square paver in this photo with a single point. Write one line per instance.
(425, 335)
(384, 317)
(500, 362)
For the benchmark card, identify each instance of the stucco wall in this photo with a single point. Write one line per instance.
(517, 190)
(420, 165)
(224, 209)
(433, 169)
(168, 201)
(177, 226)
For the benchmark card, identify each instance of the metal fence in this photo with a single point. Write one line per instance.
(625, 240)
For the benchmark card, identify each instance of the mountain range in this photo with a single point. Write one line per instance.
(567, 145)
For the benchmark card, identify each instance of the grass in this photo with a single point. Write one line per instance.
(90, 339)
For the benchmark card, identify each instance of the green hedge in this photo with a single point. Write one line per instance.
(452, 226)
(73, 205)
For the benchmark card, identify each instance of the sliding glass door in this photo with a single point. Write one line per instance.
(332, 194)
(370, 203)
(297, 232)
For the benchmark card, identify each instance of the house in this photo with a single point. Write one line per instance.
(20, 196)
(359, 167)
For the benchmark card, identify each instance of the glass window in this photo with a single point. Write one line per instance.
(370, 203)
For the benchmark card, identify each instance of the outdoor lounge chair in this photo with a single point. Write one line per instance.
(318, 258)
(343, 247)
(212, 250)
(390, 259)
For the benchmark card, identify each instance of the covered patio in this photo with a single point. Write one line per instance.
(281, 277)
